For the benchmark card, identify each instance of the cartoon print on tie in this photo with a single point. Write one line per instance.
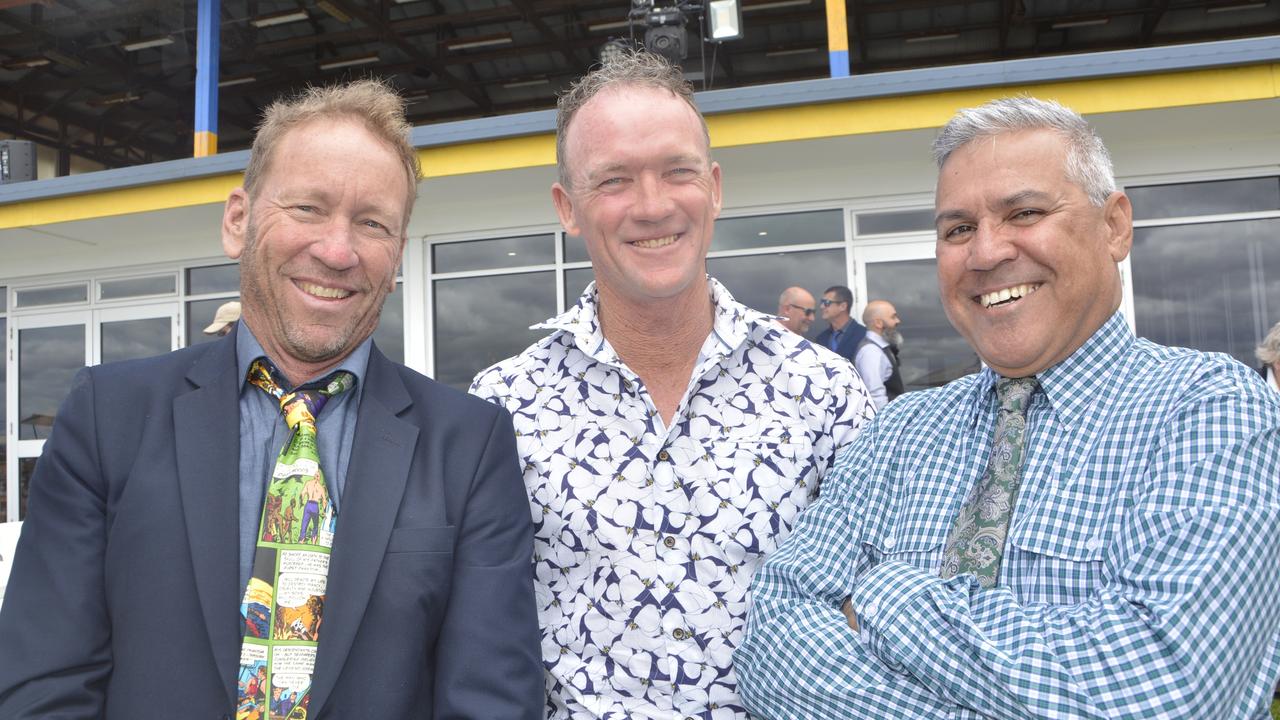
(251, 686)
(300, 595)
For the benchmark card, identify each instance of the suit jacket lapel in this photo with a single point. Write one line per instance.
(207, 440)
(381, 454)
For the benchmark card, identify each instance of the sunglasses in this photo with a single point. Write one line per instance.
(807, 311)
(826, 302)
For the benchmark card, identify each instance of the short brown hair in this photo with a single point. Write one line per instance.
(635, 68)
(371, 102)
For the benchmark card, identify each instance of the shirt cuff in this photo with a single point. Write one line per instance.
(880, 599)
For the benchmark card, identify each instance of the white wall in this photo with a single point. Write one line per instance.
(8, 543)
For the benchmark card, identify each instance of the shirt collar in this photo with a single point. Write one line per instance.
(1077, 383)
(877, 338)
(731, 324)
(249, 349)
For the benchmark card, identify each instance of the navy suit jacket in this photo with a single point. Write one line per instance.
(848, 347)
(123, 599)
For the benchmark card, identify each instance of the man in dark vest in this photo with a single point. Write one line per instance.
(877, 356)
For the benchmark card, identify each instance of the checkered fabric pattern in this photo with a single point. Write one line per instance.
(1140, 576)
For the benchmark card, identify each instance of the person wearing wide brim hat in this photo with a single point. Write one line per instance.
(223, 320)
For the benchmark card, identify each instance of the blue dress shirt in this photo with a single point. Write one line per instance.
(263, 433)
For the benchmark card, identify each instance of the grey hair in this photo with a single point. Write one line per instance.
(634, 68)
(1088, 163)
(1268, 352)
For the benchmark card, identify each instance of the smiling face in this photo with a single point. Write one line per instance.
(797, 311)
(1026, 265)
(644, 193)
(319, 244)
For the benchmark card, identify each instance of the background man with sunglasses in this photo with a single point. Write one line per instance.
(845, 333)
(795, 310)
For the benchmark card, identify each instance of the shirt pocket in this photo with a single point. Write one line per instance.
(909, 524)
(754, 487)
(1059, 546)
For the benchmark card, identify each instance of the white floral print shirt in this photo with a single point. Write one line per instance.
(647, 536)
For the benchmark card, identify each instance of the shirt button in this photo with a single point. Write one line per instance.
(680, 634)
(664, 456)
(669, 541)
(870, 609)
(1094, 544)
(889, 543)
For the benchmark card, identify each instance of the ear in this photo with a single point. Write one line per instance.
(564, 208)
(715, 188)
(235, 223)
(1117, 213)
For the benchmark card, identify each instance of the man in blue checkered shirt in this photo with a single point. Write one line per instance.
(1140, 573)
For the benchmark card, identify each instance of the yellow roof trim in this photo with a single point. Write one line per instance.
(807, 122)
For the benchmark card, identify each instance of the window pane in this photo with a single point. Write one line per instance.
(1214, 286)
(52, 295)
(497, 253)
(932, 352)
(4, 298)
(48, 359)
(129, 339)
(26, 468)
(481, 320)
(787, 229)
(199, 316)
(213, 279)
(895, 222)
(137, 287)
(389, 335)
(575, 249)
(757, 280)
(1205, 198)
(575, 282)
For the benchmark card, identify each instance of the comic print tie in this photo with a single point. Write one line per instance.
(284, 601)
(976, 543)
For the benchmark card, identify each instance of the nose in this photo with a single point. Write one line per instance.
(991, 245)
(653, 202)
(336, 247)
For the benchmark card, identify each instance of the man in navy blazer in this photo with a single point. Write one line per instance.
(124, 600)
(844, 333)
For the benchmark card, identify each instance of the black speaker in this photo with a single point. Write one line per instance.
(17, 161)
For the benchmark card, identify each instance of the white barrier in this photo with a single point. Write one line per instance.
(8, 543)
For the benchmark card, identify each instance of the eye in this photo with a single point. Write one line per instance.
(305, 208)
(1027, 214)
(956, 232)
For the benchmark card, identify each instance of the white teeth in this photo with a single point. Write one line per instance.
(324, 292)
(999, 296)
(656, 242)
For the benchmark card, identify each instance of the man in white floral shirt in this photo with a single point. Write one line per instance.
(670, 435)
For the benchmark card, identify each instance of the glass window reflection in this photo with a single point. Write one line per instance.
(1205, 198)
(59, 295)
(932, 352)
(137, 287)
(389, 335)
(481, 320)
(761, 231)
(129, 339)
(1210, 286)
(213, 279)
(757, 280)
(200, 315)
(48, 359)
(493, 254)
(895, 221)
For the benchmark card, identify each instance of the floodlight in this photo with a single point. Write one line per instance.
(724, 20)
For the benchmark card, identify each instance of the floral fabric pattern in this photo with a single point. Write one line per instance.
(647, 536)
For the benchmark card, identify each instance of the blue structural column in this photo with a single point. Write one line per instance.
(837, 38)
(208, 41)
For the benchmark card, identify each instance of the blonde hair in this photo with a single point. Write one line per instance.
(371, 102)
(1269, 351)
(634, 68)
